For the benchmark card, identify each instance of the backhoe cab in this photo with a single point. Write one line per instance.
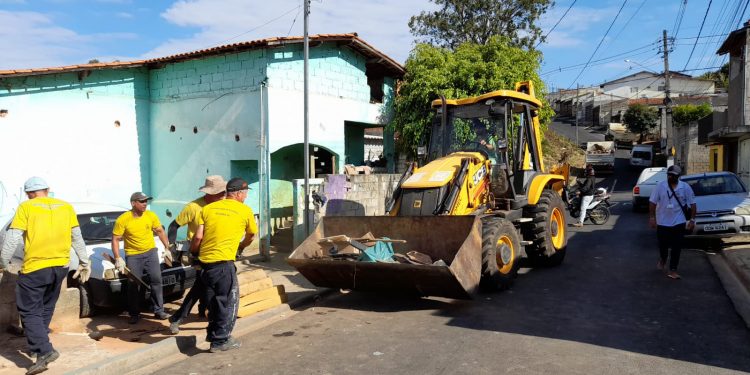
(481, 203)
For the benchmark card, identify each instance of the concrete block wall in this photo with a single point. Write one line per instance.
(334, 71)
(208, 76)
(693, 156)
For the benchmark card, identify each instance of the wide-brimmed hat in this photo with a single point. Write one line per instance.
(214, 185)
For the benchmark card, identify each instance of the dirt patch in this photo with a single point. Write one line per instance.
(558, 149)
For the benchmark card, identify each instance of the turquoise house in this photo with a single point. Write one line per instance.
(98, 132)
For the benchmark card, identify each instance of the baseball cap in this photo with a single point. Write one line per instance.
(214, 184)
(236, 184)
(138, 196)
(35, 184)
(674, 170)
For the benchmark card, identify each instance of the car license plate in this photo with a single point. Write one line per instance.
(715, 227)
(169, 280)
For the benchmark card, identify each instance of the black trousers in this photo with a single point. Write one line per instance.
(222, 294)
(196, 293)
(36, 296)
(140, 265)
(671, 238)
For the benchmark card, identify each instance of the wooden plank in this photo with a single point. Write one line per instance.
(261, 305)
(262, 295)
(254, 286)
(252, 275)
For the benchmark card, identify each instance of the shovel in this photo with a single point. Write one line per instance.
(129, 274)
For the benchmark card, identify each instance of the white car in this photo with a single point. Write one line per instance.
(642, 156)
(723, 204)
(106, 288)
(647, 181)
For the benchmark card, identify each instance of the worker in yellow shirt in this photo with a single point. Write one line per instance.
(47, 228)
(137, 228)
(214, 190)
(222, 226)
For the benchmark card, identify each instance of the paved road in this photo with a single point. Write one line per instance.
(605, 310)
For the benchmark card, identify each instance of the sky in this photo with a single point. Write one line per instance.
(46, 33)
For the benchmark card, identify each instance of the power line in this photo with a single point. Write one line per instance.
(600, 43)
(559, 69)
(599, 61)
(258, 27)
(699, 33)
(556, 23)
(293, 22)
(629, 19)
(680, 16)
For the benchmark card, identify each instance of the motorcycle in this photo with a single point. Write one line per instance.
(597, 211)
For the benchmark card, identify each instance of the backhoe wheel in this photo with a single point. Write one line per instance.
(501, 248)
(547, 230)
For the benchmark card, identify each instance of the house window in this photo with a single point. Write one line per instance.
(660, 88)
(633, 89)
(375, 79)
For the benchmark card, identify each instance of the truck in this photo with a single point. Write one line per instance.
(601, 155)
(478, 204)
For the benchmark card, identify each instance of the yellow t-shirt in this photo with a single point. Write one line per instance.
(188, 215)
(46, 223)
(224, 223)
(137, 232)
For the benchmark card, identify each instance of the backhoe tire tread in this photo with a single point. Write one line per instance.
(493, 229)
(543, 252)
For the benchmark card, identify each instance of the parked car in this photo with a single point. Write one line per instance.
(723, 204)
(642, 156)
(647, 181)
(106, 288)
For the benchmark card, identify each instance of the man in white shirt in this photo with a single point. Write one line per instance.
(672, 212)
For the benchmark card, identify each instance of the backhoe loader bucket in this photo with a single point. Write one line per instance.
(456, 240)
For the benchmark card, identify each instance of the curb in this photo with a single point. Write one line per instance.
(135, 360)
(733, 284)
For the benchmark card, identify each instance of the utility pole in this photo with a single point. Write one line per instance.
(306, 219)
(578, 86)
(667, 102)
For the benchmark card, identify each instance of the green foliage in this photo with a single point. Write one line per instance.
(684, 114)
(476, 21)
(721, 76)
(471, 70)
(640, 118)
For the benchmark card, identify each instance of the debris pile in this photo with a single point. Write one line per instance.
(369, 248)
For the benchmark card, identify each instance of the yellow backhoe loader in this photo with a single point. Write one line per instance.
(481, 204)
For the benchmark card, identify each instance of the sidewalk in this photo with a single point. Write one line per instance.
(123, 345)
(732, 264)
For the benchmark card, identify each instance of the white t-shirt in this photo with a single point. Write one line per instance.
(668, 211)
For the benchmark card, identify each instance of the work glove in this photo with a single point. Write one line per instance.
(168, 257)
(120, 265)
(83, 273)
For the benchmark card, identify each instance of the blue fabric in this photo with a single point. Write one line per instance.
(382, 251)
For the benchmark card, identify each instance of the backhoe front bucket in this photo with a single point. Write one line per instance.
(456, 240)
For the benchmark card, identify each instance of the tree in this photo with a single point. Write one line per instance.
(472, 69)
(687, 113)
(640, 118)
(721, 76)
(460, 21)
